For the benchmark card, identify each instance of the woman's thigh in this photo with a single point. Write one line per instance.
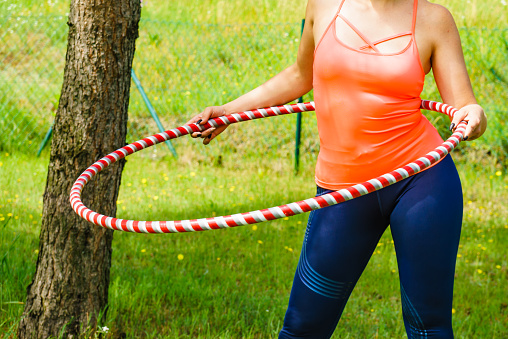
(338, 244)
(426, 223)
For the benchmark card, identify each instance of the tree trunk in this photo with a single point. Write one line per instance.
(70, 287)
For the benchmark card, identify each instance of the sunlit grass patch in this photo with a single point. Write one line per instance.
(235, 282)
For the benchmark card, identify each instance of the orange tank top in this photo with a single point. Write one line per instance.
(367, 108)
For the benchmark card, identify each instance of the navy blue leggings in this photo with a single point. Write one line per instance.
(425, 216)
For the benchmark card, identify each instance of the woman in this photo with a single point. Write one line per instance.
(367, 60)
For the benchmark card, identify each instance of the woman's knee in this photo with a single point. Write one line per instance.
(307, 327)
(428, 317)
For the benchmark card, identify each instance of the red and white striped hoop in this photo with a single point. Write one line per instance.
(257, 216)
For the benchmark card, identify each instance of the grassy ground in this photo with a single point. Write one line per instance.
(235, 283)
(191, 54)
(470, 13)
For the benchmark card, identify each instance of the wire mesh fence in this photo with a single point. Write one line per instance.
(184, 67)
(32, 57)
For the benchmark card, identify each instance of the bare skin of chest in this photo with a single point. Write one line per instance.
(375, 21)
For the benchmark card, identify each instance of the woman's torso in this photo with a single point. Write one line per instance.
(367, 94)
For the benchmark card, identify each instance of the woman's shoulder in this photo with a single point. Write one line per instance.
(434, 16)
(323, 5)
(321, 9)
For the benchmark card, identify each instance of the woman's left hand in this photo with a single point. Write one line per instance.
(476, 121)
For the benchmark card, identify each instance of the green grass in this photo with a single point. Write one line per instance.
(235, 283)
(192, 54)
(471, 13)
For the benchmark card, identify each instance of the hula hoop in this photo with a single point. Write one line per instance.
(253, 217)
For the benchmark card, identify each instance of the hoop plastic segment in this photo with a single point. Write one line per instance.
(257, 216)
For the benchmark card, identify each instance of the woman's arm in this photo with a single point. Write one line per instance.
(291, 83)
(450, 72)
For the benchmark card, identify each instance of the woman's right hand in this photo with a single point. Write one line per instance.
(202, 118)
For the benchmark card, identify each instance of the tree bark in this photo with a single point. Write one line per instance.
(70, 286)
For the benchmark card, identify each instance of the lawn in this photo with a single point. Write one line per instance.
(235, 283)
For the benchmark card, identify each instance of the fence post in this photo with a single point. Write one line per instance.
(298, 126)
(45, 141)
(152, 110)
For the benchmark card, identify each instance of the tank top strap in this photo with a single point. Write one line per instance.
(331, 24)
(360, 34)
(340, 7)
(415, 10)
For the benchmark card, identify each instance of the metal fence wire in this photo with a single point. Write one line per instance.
(185, 67)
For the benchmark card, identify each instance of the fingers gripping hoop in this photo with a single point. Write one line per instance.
(257, 216)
